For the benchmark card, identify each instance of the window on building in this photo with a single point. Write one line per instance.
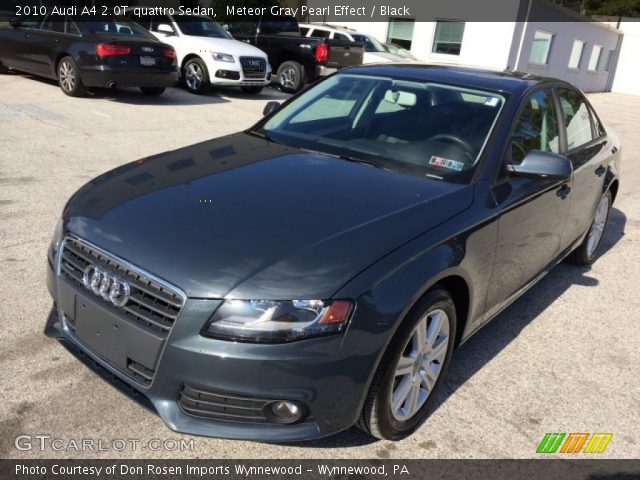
(541, 48)
(576, 54)
(609, 64)
(400, 32)
(448, 38)
(537, 127)
(577, 118)
(595, 58)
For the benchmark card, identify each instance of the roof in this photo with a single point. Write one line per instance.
(503, 81)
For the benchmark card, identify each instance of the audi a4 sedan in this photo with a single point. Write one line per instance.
(88, 52)
(318, 270)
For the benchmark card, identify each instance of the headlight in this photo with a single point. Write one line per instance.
(223, 57)
(57, 237)
(267, 321)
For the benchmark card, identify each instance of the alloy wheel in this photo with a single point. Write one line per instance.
(288, 78)
(194, 76)
(597, 227)
(420, 365)
(67, 76)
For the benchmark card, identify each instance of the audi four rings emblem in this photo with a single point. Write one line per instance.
(108, 286)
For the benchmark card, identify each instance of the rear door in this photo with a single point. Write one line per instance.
(45, 43)
(533, 212)
(16, 44)
(588, 149)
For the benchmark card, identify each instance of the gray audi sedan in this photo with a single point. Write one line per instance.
(318, 270)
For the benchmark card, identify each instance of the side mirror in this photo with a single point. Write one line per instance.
(543, 165)
(165, 28)
(15, 22)
(270, 107)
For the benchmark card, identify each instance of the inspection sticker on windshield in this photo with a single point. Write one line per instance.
(446, 163)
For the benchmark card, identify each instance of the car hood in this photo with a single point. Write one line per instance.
(225, 45)
(241, 217)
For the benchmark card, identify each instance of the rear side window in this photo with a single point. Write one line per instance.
(54, 23)
(304, 31)
(577, 119)
(536, 128)
(71, 27)
(319, 33)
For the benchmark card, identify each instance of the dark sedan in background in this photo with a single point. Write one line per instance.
(318, 270)
(82, 52)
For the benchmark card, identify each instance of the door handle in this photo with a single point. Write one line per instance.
(564, 191)
(55, 40)
(26, 35)
(600, 171)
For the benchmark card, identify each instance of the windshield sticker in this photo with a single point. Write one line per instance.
(446, 163)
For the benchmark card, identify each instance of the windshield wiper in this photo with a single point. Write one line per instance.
(261, 135)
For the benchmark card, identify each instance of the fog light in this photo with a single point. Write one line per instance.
(285, 411)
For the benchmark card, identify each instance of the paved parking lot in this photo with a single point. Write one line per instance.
(564, 358)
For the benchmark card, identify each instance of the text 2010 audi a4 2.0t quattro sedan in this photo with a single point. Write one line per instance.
(317, 270)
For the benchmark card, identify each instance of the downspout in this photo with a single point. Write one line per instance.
(524, 29)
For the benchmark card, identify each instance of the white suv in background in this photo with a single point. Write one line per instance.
(209, 55)
(375, 52)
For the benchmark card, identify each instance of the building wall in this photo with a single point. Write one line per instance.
(484, 44)
(564, 34)
(627, 74)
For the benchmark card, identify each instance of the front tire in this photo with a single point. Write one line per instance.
(195, 76)
(291, 77)
(3, 69)
(588, 249)
(69, 78)
(152, 91)
(412, 369)
(252, 90)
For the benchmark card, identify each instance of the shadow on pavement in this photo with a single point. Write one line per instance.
(499, 332)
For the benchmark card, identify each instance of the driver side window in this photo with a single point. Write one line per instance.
(537, 127)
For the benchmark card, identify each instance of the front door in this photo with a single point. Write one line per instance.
(533, 211)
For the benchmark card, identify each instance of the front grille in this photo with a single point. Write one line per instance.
(214, 406)
(151, 305)
(253, 67)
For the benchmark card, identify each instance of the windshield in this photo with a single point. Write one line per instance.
(114, 26)
(421, 128)
(200, 27)
(370, 43)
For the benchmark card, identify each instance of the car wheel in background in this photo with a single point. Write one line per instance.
(291, 77)
(195, 76)
(412, 369)
(153, 91)
(252, 90)
(588, 249)
(69, 78)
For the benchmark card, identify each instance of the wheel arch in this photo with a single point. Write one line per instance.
(188, 57)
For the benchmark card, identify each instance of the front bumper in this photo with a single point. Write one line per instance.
(108, 76)
(330, 381)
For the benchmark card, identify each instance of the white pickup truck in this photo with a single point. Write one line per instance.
(209, 55)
